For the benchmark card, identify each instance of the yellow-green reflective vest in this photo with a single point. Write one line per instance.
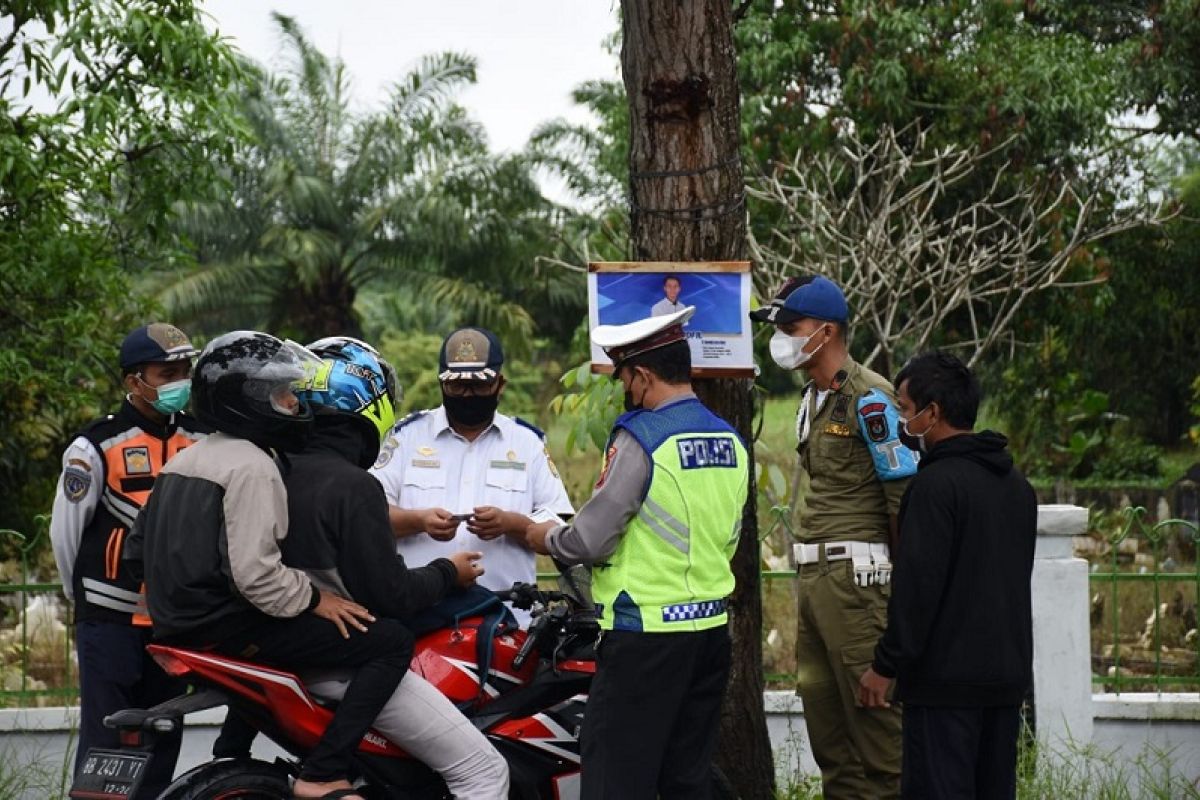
(671, 571)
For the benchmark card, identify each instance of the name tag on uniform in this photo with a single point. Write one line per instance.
(427, 463)
(706, 451)
(836, 429)
(507, 465)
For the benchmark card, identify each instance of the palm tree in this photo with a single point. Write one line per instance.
(402, 208)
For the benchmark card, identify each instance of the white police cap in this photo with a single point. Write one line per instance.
(622, 342)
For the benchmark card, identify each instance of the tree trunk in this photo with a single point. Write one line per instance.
(686, 191)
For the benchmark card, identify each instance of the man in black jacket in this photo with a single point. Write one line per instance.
(959, 640)
(340, 536)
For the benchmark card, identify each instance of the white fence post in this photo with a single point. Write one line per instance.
(1062, 657)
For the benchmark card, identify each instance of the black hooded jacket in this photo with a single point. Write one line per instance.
(338, 529)
(960, 623)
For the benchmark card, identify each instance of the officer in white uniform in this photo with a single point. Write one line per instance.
(466, 477)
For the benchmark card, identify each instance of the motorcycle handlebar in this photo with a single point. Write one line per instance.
(531, 640)
(524, 595)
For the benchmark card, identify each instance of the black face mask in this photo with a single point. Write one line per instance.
(630, 404)
(471, 411)
(911, 442)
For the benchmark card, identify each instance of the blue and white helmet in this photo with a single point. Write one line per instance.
(355, 379)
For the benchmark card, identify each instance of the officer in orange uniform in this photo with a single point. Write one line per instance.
(108, 472)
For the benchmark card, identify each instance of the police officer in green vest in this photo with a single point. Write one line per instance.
(857, 471)
(659, 532)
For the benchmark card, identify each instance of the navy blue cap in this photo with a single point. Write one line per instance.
(812, 296)
(155, 343)
(470, 354)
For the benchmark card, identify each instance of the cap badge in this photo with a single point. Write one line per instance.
(174, 336)
(466, 351)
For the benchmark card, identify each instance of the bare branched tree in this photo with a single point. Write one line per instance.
(882, 220)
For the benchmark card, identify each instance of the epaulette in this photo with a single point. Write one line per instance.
(411, 418)
(97, 422)
(540, 433)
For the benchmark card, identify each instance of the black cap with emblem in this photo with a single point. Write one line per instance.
(155, 343)
(471, 354)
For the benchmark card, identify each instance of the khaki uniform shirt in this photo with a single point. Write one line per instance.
(856, 467)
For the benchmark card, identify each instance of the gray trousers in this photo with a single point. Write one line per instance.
(425, 723)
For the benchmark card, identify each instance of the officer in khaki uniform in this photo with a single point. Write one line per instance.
(857, 471)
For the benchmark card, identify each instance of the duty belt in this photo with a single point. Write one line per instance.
(872, 566)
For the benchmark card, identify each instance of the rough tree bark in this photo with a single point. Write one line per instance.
(686, 193)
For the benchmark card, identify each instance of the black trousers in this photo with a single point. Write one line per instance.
(953, 753)
(381, 656)
(650, 729)
(115, 673)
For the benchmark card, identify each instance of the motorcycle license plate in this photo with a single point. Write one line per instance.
(109, 774)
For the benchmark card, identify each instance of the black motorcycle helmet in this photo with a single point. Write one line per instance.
(242, 385)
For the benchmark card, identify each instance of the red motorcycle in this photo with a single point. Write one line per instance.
(531, 709)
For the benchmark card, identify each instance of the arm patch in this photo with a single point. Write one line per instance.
(879, 425)
(76, 482)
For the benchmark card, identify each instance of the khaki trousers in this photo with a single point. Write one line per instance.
(858, 750)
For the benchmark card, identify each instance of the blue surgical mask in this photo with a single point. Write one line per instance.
(173, 397)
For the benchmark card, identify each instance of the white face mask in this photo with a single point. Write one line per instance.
(908, 438)
(788, 351)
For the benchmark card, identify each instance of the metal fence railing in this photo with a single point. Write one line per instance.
(1144, 635)
(1143, 632)
(36, 647)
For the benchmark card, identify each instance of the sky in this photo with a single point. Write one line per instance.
(531, 53)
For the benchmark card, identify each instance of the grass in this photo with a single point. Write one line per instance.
(1074, 772)
(36, 779)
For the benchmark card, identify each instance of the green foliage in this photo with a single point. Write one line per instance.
(1194, 431)
(1133, 335)
(1062, 428)
(112, 112)
(977, 71)
(592, 160)
(592, 401)
(338, 216)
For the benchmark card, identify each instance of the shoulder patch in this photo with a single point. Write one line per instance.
(76, 483)
(540, 433)
(386, 451)
(879, 424)
(609, 455)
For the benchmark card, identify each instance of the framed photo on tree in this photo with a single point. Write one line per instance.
(719, 334)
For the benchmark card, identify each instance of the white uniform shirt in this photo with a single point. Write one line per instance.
(425, 464)
(665, 306)
(75, 501)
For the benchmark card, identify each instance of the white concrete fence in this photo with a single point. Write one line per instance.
(1070, 719)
